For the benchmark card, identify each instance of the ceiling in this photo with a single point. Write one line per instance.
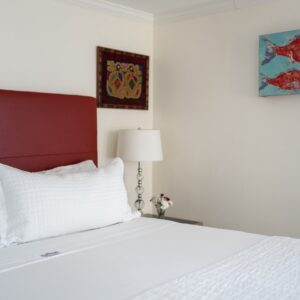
(157, 7)
(172, 10)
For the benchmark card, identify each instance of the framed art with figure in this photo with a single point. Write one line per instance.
(122, 79)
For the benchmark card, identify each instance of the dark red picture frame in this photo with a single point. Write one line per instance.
(125, 66)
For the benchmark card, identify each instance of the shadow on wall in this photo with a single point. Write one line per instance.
(112, 142)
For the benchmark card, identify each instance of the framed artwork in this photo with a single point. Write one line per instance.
(279, 64)
(122, 79)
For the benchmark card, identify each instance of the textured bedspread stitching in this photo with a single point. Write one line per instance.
(268, 270)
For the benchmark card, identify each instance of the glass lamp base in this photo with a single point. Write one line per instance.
(139, 205)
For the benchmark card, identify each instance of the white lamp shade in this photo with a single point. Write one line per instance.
(140, 145)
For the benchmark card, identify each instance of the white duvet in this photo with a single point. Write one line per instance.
(269, 270)
(147, 259)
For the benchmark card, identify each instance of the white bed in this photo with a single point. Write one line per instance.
(116, 262)
(138, 259)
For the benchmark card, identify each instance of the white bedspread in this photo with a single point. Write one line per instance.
(114, 263)
(269, 270)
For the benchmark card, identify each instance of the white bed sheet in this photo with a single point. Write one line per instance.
(116, 262)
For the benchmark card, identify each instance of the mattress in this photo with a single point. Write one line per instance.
(117, 262)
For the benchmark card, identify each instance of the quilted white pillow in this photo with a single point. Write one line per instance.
(83, 166)
(75, 168)
(40, 205)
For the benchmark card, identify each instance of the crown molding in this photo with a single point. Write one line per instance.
(205, 9)
(191, 12)
(115, 9)
(184, 13)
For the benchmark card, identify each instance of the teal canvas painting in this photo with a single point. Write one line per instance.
(279, 63)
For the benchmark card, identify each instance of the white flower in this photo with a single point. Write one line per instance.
(164, 204)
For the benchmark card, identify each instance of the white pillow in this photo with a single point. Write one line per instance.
(80, 167)
(83, 166)
(40, 205)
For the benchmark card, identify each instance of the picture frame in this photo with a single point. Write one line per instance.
(122, 79)
(279, 63)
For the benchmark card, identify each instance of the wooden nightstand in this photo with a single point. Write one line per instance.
(174, 219)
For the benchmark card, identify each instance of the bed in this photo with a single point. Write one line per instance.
(141, 258)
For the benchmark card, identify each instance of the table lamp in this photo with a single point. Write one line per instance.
(139, 145)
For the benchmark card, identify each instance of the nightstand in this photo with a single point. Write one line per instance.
(192, 222)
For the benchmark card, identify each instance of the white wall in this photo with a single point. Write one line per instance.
(232, 159)
(50, 46)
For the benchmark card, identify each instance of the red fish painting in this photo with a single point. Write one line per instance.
(279, 63)
(291, 50)
(289, 81)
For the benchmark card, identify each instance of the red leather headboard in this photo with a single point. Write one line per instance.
(39, 131)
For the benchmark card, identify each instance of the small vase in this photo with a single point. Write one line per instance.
(160, 213)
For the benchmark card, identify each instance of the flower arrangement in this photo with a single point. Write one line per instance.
(161, 203)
